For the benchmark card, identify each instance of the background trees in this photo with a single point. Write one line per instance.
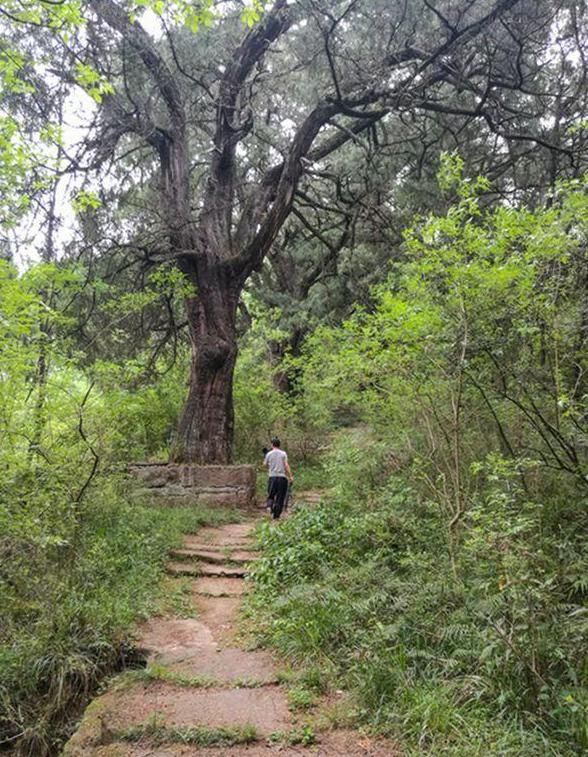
(213, 152)
(283, 182)
(389, 173)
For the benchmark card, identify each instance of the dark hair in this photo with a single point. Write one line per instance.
(275, 442)
(265, 450)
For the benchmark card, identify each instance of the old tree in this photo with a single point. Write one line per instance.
(213, 129)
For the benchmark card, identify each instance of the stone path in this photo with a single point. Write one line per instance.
(201, 689)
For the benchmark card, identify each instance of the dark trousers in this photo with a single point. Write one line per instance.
(277, 489)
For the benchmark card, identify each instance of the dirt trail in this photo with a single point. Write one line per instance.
(201, 687)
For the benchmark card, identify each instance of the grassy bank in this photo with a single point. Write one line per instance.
(439, 650)
(69, 608)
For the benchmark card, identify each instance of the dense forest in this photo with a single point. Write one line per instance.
(361, 225)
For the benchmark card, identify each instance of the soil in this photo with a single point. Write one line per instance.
(199, 676)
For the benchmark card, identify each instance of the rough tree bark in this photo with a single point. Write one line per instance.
(219, 249)
(205, 429)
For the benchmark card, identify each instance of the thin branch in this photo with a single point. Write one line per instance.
(95, 457)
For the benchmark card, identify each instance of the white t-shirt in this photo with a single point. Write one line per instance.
(276, 460)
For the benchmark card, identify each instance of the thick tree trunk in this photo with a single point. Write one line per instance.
(205, 429)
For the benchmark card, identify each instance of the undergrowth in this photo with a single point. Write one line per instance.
(477, 650)
(69, 607)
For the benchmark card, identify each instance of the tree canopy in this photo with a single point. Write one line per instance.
(210, 136)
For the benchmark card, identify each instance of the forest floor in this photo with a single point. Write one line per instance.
(205, 691)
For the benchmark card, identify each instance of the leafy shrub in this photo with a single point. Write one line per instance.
(260, 410)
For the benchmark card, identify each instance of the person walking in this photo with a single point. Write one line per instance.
(280, 475)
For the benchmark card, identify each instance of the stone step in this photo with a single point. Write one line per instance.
(220, 614)
(332, 743)
(170, 640)
(264, 707)
(221, 558)
(191, 542)
(216, 586)
(230, 533)
(191, 648)
(228, 665)
(205, 569)
(218, 545)
(176, 707)
(183, 750)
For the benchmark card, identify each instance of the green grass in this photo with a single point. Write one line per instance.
(301, 699)
(306, 476)
(176, 598)
(304, 687)
(155, 672)
(158, 734)
(311, 476)
(303, 736)
(363, 596)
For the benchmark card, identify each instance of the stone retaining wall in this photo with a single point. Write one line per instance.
(182, 484)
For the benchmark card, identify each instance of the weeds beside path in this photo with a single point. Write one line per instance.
(69, 606)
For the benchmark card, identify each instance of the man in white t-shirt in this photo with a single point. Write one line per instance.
(279, 475)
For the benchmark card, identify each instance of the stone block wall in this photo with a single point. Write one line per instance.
(185, 483)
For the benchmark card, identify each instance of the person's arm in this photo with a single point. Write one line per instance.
(288, 471)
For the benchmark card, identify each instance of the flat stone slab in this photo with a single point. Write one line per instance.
(218, 586)
(264, 708)
(228, 666)
(204, 569)
(227, 534)
(218, 613)
(170, 640)
(193, 542)
(213, 557)
(243, 750)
